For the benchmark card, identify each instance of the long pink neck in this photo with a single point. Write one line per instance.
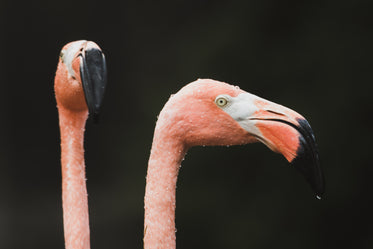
(74, 191)
(165, 159)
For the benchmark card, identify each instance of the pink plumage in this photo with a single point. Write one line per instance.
(208, 112)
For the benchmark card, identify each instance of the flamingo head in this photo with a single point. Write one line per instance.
(80, 80)
(208, 112)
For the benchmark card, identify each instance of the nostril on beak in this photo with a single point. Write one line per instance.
(277, 113)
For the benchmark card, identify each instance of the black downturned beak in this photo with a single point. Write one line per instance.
(94, 78)
(307, 160)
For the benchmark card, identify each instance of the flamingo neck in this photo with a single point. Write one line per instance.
(74, 191)
(160, 194)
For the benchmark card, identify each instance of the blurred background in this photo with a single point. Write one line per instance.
(311, 56)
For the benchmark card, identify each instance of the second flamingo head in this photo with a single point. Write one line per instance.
(208, 112)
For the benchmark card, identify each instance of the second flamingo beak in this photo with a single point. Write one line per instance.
(281, 129)
(94, 79)
(294, 138)
(287, 132)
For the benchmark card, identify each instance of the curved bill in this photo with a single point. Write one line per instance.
(298, 145)
(283, 131)
(307, 159)
(94, 78)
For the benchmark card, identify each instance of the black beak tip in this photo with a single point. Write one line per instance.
(96, 117)
(94, 79)
(312, 174)
(307, 160)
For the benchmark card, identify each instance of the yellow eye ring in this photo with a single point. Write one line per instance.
(221, 102)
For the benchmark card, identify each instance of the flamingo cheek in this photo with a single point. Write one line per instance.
(76, 67)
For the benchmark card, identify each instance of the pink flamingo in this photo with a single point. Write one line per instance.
(208, 112)
(79, 87)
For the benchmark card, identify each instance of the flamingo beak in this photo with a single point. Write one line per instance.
(286, 132)
(281, 129)
(94, 78)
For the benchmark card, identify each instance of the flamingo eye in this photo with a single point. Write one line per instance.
(221, 102)
(62, 54)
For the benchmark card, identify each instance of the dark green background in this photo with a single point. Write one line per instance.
(312, 56)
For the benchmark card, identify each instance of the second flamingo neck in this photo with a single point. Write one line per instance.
(160, 197)
(74, 192)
